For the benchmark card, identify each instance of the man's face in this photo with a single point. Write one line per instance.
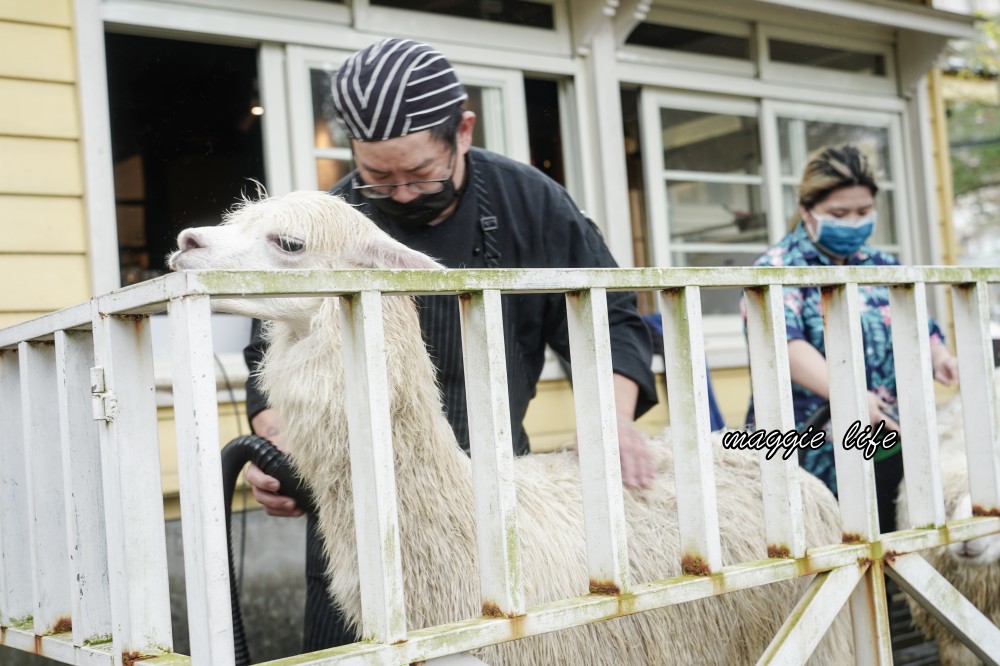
(405, 159)
(414, 157)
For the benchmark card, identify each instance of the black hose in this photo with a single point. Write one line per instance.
(235, 455)
(821, 415)
(818, 418)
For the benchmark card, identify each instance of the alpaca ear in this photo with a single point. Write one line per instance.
(385, 252)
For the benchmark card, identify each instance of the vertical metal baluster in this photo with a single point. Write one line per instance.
(373, 477)
(124, 403)
(855, 476)
(16, 597)
(196, 413)
(492, 454)
(773, 411)
(978, 390)
(597, 441)
(917, 410)
(687, 394)
(81, 457)
(43, 477)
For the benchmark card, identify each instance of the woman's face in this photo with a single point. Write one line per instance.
(848, 203)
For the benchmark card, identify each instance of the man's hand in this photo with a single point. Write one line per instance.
(267, 424)
(637, 463)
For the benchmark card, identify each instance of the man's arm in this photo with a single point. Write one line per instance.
(808, 368)
(637, 463)
(264, 422)
(631, 347)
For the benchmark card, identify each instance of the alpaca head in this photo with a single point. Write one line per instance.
(983, 551)
(301, 230)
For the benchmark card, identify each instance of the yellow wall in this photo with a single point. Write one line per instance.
(42, 221)
(550, 425)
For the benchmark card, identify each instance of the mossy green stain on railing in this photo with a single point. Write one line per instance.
(513, 562)
(99, 639)
(236, 283)
(26, 623)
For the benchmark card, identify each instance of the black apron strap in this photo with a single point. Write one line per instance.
(488, 223)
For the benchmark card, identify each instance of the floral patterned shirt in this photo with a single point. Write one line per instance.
(804, 321)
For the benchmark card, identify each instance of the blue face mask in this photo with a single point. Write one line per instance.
(842, 238)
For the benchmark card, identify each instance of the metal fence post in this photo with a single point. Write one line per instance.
(203, 518)
(125, 406)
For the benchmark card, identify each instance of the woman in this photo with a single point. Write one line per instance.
(836, 217)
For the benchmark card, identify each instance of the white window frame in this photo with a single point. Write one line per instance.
(654, 56)
(655, 173)
(892, 122)
(297, 9)
(811, 75)
(439, 28)
(509, 138)
(723, 333)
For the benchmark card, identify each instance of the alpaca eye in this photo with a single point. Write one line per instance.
(290, 245)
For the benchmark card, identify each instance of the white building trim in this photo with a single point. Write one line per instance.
(95, 140)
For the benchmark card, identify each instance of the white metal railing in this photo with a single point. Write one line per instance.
(83, 575)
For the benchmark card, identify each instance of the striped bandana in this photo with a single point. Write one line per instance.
(393, 88)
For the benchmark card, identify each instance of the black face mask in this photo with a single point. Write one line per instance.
(419, 212)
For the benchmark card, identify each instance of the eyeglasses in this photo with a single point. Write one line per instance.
(419, 187)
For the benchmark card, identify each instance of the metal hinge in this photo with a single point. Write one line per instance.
(104, 404)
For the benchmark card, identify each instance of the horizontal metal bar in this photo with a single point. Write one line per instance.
(58, 647)
(243, 283)
(152, 296)
(480, 632)
(43, 328)
(908, 541)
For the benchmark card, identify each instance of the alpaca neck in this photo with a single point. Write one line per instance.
(306, 383)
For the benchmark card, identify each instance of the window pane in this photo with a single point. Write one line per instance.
(328, 132)
(716, 213)
(545, 141)
(799, 138)
(717, 301)
(710, 142)
(690, 41)
(518, 12)
(885, 228)
(811, 55)
(475, 104)
(329, 172)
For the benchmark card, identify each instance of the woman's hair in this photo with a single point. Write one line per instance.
(831, 168)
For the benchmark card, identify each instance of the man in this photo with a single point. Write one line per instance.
(421, 181)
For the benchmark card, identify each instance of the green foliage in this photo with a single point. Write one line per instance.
(974, 128)
(974, 135)
(979, 56)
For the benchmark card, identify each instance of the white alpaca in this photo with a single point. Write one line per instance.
(973, 567)
(303, 379)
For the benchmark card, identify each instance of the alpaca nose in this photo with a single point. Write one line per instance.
(189, 240)
(973, 548)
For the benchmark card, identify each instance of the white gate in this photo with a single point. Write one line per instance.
(83, 575)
